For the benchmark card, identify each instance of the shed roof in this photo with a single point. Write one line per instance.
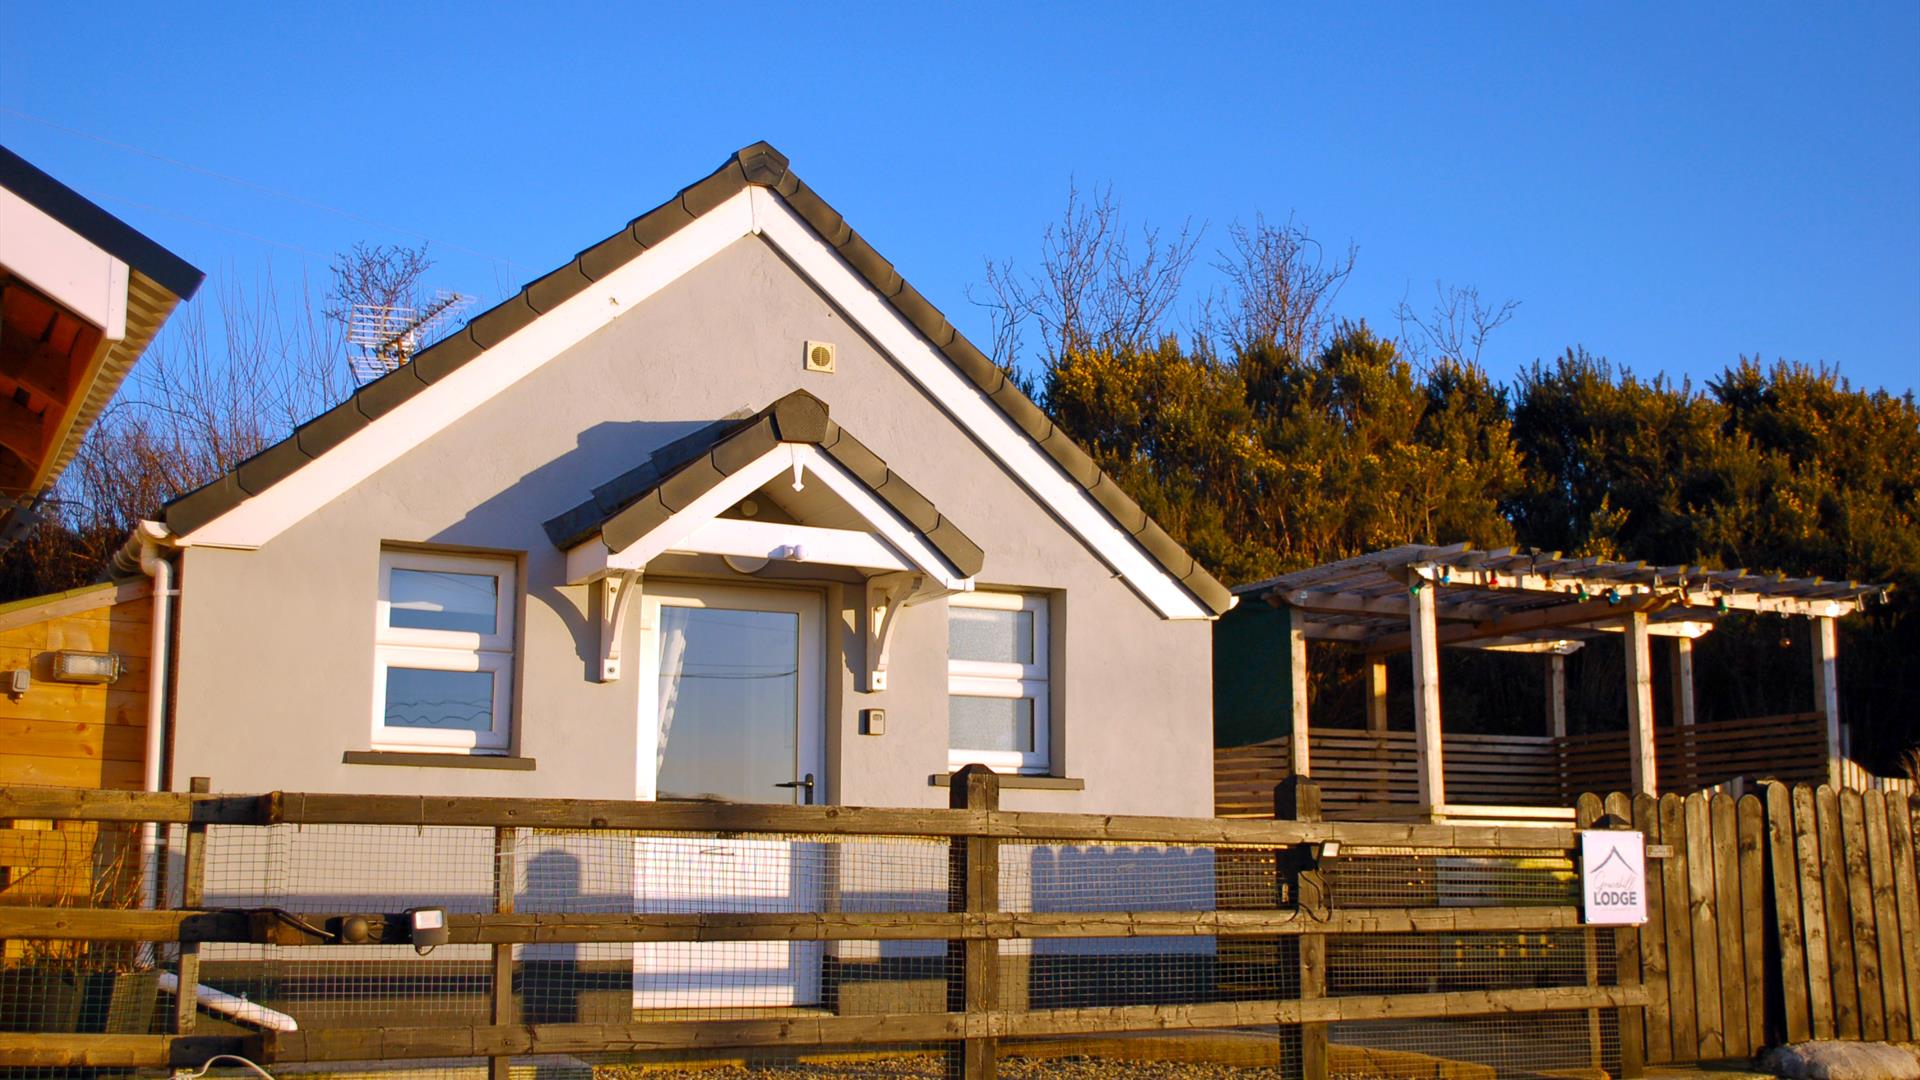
(1517, 596)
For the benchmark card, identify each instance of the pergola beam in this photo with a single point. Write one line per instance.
(1640, 743)
(1424, 635)
(1557, 694)
(1562, 616)
(1826, 691)
(1682, 682)
(1376, 694)
(1298, 748)
(1392, 605)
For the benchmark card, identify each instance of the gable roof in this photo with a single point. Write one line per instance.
(758, 167)
(82, 295)
(641, 499)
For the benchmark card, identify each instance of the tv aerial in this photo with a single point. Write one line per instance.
(381, 337)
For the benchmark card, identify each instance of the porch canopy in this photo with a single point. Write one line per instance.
(782, 491)
(1416, 598)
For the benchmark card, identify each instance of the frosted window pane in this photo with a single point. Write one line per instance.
(441, 700)
(983, 723)
(437, 600)
(985, 634)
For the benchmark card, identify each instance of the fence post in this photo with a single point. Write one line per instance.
(501, 1007)
(193, 886)
(1300, 886)
(973, 965)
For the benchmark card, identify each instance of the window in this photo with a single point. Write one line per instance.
(443, 653)
(997, 708)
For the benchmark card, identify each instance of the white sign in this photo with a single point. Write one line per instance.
(1613, 877)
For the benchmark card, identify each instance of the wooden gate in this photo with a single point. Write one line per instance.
(1787, 916)
(1848, 913)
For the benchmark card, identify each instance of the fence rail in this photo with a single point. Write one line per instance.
(1306, 928)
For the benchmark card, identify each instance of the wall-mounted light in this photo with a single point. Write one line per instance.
(85, 667)
(18, 682)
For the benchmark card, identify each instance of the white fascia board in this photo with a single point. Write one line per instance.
(426, 414)
(1014, 448)
(889, 525)
(753, 211)
(893, 544)
(66, 266)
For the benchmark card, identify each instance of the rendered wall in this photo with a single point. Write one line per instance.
(277, 644)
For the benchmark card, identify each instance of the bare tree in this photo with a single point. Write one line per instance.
(376, 275)
(207, 394)
(1455, 329)
(1098, 286)
(1282, 287)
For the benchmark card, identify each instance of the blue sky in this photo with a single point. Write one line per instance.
(1670, 188)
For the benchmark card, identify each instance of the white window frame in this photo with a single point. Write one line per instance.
(446, 650)
(980, 678)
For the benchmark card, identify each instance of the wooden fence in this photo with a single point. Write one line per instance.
(1783, 916)
(975, 1018)
(1371, 773)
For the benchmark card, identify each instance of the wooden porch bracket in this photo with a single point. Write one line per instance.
(618, 589)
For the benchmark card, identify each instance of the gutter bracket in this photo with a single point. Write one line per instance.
(617, 593)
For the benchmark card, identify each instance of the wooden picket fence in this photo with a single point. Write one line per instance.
(1784, 916)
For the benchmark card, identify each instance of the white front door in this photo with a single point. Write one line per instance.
(732, 707)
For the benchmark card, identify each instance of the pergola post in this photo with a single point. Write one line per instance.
(1377, 694)
(1297, 746)
(1556, 695)
(1426, 694)
(1640, 746)
(1826, 691)
(1682, 687)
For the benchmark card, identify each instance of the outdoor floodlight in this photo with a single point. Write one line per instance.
(85, 667)
(427, 927)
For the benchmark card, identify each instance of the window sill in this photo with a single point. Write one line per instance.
(438, 761)
(1015, 780)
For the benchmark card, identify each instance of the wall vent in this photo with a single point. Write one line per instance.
(821, 356)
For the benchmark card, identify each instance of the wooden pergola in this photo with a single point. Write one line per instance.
(1417, 598)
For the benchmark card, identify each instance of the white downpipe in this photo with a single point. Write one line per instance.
(237, 1008)
(153, 564)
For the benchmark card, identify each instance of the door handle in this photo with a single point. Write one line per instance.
(805, 785)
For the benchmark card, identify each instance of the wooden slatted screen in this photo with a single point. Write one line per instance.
(1371, 773)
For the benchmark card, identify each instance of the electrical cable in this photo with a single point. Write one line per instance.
(195, 1074)
(291, 919)
(252, 185)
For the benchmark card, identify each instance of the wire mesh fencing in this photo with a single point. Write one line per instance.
(607, 950)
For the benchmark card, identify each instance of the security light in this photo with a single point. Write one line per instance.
(427, 927)
(85, 667)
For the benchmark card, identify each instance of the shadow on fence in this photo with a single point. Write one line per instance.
(968, 939)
